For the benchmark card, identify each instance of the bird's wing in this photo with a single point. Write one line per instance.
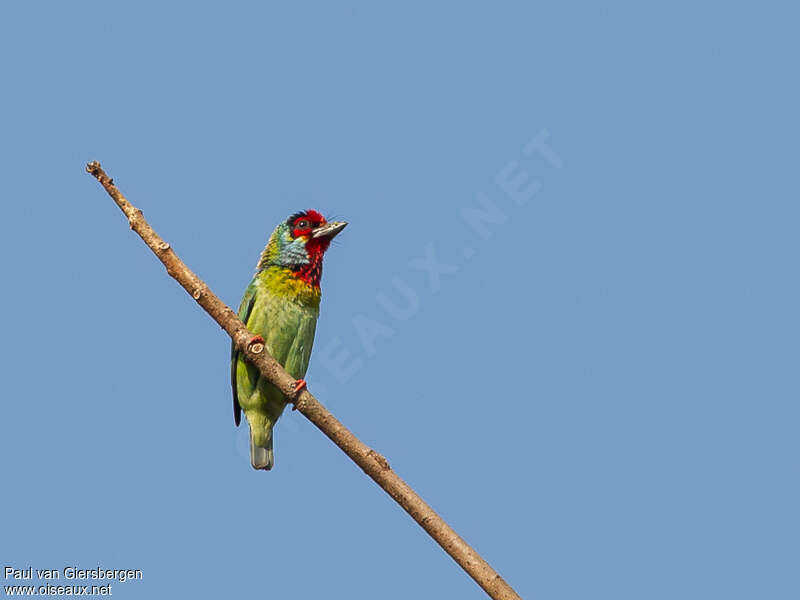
(245, 307)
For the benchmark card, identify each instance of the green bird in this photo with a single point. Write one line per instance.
(280, 306)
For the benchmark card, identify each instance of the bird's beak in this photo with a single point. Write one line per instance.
(329, 230)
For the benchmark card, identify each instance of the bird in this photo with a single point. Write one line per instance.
(280, 308)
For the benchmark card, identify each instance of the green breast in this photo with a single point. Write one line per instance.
(287, 323)
(284, 312)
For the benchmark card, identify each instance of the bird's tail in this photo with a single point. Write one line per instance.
(261, 453)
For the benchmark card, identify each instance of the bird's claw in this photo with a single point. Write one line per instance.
(299, 386)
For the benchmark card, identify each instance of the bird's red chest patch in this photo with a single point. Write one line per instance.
(312, 272)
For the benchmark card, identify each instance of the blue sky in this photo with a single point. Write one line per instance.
(599, 390)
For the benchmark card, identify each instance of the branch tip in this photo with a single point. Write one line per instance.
(95, 170)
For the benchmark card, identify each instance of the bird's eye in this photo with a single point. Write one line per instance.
(302, 224)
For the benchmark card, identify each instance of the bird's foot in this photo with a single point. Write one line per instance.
(299, 386)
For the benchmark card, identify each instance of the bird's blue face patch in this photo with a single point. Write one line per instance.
(291, 252)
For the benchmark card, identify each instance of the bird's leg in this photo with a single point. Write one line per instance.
(256, 339)
(299, 386)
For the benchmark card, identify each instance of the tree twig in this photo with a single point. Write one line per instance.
(372, 463)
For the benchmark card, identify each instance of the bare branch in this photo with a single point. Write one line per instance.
(372, 463)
